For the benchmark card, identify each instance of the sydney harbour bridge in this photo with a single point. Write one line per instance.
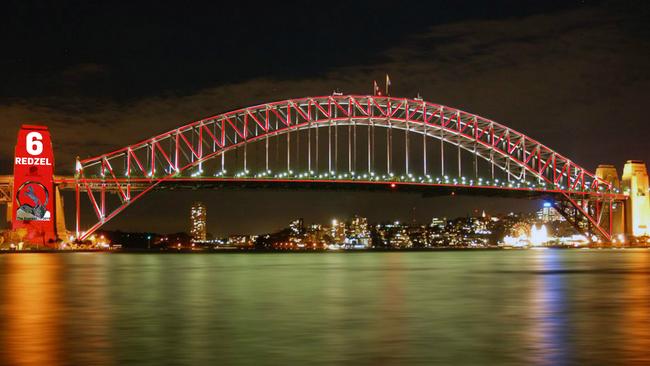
(351, 142)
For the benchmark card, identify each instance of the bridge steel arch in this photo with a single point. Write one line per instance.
(179, 154)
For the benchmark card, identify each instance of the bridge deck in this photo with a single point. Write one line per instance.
(424, 188)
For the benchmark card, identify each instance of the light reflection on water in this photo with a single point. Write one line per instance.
(548, 311)
(549, 307)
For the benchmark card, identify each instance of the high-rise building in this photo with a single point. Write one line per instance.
(338, 231)
(358, 233)
(297, 227)
(198, 221)
(438, 223)
(359, 227)
(548, 214)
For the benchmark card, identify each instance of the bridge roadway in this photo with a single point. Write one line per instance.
(68, 183)
(425, 188)
(61, 181)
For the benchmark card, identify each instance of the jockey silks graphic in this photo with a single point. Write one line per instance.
(33, 201)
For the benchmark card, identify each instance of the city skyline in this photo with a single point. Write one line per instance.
(409, 215)
(544, 228)
(356, 226)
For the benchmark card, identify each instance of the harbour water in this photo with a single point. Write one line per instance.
(517, 307)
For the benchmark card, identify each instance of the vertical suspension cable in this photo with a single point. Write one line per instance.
(245, 147)
(523, 158)
(349, 148)
(297, 144)
(475, 163)
(424, 150)
(329, 146)
(354, 146)
(214, 142)
(372, 147)
(236, 153)
(387, 151)
(442, 153)
(492, 162)
(406, 148)
(266, 151)
(369, 152)
(460, 173)
(277, 146)
(336, 145)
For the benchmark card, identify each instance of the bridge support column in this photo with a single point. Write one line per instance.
(59, 216)
(10, 210)
(637, 208)
(608, 173)
(6, 196)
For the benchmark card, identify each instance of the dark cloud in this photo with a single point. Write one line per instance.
(576, 79)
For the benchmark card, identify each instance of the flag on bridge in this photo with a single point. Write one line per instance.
(375, 90)
(387, 85)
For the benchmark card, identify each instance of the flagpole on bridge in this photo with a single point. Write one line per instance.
(387, 85)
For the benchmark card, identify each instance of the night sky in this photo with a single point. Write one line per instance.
(572, 74)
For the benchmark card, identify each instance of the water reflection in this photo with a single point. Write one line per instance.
(86, 315)
(511, 308)
(31, 308)
(392, 344)
(636, 312)
(548, 311)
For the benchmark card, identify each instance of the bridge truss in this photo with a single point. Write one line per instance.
(348, 139)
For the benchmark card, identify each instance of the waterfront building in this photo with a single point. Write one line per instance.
(198, 222)
(438, 223)
(548, 214)
(297, 227)
(358, 235)
(338, 231)
(634, 182)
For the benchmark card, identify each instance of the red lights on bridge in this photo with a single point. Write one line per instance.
(180, 154)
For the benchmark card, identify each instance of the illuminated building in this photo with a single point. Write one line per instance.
(548, 214)
(538, 236)
(198, 220)
(359, 226)
(637, 208)
(241, 241)
(316, 235)
(297, 227)
(338, 231)
(358, 233)
(401, 239)
(437, 223)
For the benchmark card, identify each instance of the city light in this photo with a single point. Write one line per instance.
(538, 236)
(198, 221)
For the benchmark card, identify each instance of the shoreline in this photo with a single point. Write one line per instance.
(346, 251)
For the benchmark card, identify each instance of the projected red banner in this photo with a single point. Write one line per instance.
(34, 196)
